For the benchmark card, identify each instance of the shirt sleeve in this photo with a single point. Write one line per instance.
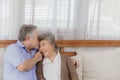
(14, 55)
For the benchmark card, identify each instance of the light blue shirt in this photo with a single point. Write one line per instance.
(15, 54)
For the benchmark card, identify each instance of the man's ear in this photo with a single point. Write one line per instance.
(27, 37)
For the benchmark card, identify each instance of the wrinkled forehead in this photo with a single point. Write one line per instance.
(44, 41)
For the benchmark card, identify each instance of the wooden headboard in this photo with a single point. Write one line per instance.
(73, 43)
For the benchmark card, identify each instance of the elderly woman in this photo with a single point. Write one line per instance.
(54, 65)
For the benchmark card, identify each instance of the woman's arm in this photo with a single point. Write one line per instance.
(72, 69)
(39, 71)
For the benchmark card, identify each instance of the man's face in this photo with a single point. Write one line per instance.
(34, 40)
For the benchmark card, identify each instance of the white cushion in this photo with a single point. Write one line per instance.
(1, 63)
(102, 65)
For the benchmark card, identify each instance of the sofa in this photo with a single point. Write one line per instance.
(98, 63)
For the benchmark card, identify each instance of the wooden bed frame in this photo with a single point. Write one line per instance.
(73, 43)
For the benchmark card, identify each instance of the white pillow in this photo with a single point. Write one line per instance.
(100, 65)
(1, 63)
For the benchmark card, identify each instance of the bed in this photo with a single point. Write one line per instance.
(88, 70)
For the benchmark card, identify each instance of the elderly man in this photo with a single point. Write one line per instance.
(20, 58)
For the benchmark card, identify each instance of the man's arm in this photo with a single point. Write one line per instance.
(28, 64)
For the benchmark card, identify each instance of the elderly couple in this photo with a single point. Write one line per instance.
(36, 57)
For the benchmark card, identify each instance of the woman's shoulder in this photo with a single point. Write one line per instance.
(65, 57)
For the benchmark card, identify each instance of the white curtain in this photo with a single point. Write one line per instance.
(65, 18)
(104, 19)
(80, 19)
(11, 18)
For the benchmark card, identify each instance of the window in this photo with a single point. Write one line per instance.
(4, 18)
(52, 15)
(104, 18)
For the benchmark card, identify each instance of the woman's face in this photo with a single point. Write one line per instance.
(46, 48)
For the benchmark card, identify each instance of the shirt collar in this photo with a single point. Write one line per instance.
(47, 60)
(20, 44)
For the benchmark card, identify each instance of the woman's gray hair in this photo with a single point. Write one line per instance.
(26, 30)
(50, 37)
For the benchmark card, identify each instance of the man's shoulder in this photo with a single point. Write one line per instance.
(9, 50)
(11, 46)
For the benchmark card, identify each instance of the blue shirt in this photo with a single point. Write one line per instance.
(15, 54)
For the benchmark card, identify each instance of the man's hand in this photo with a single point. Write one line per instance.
(75, 62)
(38, 56)
(28, 64)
